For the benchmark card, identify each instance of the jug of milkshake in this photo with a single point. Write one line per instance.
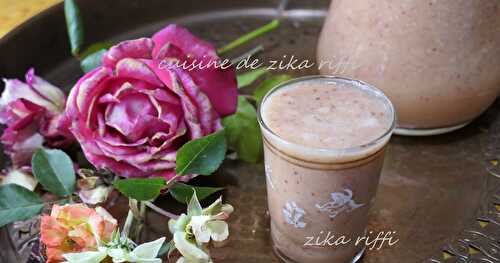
(324, 141)
(437, 60)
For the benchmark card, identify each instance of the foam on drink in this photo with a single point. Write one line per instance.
(330, 115)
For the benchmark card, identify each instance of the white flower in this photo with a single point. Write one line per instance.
(86, 257)
(189, 250)
(205, 228)
(194, 230)
(144, 253)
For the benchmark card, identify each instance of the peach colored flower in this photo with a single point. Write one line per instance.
(75, 228)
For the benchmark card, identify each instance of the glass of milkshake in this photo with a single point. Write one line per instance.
(324, 140)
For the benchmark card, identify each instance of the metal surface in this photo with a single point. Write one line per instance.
(433, 190)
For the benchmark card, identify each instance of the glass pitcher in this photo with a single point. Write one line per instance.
(437, 60)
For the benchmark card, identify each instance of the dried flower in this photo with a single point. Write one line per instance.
(20, 176)
(92, 190)
(95, 196)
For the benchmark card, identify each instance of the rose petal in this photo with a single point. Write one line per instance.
(47, 90)
(103, 223)
(121, 153)
(54, 254)
(121, 168)
(81, 235)
(86, 91)
(137, 48)
(15, 89)
(20, 145)
(56, 131)
(208, 117)
(132, 117)
(219, 85)
(113, 140)
(166, 140)
(134, 68)
(187, 42)
(52, 233)
(190, 109)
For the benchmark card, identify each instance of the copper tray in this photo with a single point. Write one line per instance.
(440, 194)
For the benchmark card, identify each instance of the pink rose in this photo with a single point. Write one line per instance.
(33, 113)
(133, 113)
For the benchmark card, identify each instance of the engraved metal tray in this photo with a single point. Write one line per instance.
(440, 194)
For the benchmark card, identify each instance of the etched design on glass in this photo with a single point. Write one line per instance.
(268, 172)
(341, 202)
(294, 214)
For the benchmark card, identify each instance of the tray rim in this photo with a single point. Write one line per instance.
(457, 249)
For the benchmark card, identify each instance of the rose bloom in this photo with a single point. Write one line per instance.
(73, 228)
(33, 113)
(133, 113)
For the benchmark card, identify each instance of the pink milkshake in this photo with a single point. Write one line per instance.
(324, 141)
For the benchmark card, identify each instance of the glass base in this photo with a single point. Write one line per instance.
(286, 259)
(427, 132)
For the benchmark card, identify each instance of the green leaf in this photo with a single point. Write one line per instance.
(95, 47)
(243, 132)
(182, 192)
(249, 77)
(141, 189)
(201, 156)
(268, 84)
(54, 170)
(92, 61)
(18, 203)
(194, 207)
(74, 26)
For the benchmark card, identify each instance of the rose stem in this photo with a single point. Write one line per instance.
(160, 211)
(128, 223)
(141, 221)
(249, 97)
(249, 37)
(247, 54)
(171, 181)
